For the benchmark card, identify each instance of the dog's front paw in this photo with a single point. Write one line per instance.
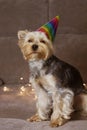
(58, 122)
(34, 118)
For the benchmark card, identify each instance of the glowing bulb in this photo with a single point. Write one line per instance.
(21, 78)
(32, 90)
(21, 93)
(22, 88)
(85, 85)
(35, 97)
(6, 89)
(29, 84)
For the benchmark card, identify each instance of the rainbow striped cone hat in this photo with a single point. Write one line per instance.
(50, 28)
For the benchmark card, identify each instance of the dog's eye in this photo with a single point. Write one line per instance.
(30, 40)
(43, 41)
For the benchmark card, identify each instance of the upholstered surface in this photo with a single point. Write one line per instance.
(21, 14)
(18, 124)
(12, 64)
(72, 15)
(18, 102)
(72, 48)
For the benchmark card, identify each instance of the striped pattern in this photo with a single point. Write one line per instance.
(50, 28)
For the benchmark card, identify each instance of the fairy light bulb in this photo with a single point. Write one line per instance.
(35, 98)
(21, 78)
(22, 88)
(6, 89)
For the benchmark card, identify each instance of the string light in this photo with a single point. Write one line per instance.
(29, 84)
(6, 89)
(21, 78)
(35, 97)
(23, 90)
(85, 85)
(32, 90)
(20, 93)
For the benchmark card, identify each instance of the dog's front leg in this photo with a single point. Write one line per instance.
(62, 107)
(44, 107)
(44, 104)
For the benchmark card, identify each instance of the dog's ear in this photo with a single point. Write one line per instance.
(22, 34)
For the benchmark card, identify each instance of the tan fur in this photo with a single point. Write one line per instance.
(34, 118)
(53, 102)
(58, 122)
(43, 51)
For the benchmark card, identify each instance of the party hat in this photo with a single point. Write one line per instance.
(50, 28)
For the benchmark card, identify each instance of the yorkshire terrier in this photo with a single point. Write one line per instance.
(57, 84)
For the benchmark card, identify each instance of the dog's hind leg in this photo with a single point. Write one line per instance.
(62, 107)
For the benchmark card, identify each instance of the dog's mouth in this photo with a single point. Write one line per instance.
(32, 53)
(35, 55)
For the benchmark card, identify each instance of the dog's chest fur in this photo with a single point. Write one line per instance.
(38, 76)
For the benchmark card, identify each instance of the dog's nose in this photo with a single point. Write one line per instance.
(35, 47)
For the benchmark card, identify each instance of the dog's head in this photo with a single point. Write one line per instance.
(35, 45)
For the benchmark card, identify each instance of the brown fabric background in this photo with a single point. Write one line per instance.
(70, 42)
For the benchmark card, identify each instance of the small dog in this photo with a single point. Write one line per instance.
(56, 83)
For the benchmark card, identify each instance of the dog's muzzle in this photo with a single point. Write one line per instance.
(34, 47)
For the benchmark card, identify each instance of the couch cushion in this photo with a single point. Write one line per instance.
(73, 15)
(17, 101)
(21, 14)
(16, 105)
(18, 124)
(12, 64)
(72, 48)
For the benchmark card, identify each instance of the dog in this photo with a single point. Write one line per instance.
(57, 84)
